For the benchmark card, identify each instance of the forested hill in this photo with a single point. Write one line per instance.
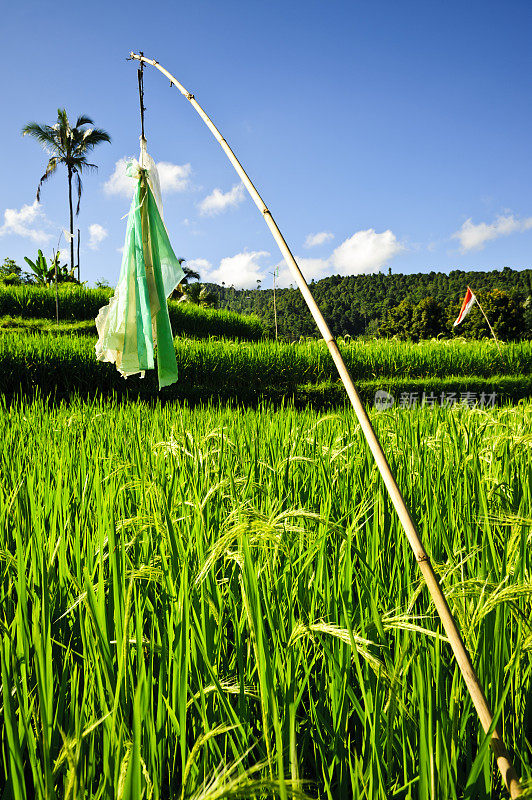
(358, 304)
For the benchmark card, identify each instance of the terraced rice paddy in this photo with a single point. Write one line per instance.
(64, 364)
(219, 603)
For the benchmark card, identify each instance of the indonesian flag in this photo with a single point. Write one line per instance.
(467, 305)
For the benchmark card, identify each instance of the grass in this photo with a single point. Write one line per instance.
(216, 603)
(20, 304)
(61, 365)
(25, 325)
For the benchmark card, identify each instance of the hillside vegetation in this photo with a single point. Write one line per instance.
(78, 303)
(360, 304)
(225, 355)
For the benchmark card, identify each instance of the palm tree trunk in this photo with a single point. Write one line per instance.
(71, 221)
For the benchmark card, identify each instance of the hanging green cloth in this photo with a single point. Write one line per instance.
(136, 320)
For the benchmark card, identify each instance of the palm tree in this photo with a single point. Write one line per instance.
(197, 295)
(68, 146)
(182, 286)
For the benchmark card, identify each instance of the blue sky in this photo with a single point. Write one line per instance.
(380, 134)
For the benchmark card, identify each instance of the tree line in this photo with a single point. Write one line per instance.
(415, 306)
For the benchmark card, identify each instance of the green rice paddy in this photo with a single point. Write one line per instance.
(63, 363)
(220, 602)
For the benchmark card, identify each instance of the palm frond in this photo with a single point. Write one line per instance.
(93, 137)
(44, 134)
(50, 169)
(83, 119)
(81, 165)
(62, 118)
(80, 189)
(190, 274)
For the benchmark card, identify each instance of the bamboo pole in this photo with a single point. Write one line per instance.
(462, 657)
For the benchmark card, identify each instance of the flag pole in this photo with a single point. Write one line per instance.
(489, 326)
(462, 657)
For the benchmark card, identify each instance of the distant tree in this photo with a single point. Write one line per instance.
(190, 274)
(354, 303)
(398, 321)
(102, 283)
(428, 320)
(10, 273)
(197, 295)
(69, 146)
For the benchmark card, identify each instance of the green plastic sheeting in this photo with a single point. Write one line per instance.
(136, 321)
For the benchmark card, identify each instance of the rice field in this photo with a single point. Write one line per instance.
(20, 306)
(304, 360)
(64, 364)
(206, 603)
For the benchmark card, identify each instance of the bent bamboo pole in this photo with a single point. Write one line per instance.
(477, 695)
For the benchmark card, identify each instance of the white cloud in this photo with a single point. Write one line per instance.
(365, 251)
(218, 201)
(241, 270)
(20, 223)
(172, 177)
(312, 269)
(474, 237)
(97, 234)
(119, 182)
(202, 266)
(315, 239)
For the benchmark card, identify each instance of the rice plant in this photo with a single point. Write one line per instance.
(78, 303)
(63, 364)
(210, 602)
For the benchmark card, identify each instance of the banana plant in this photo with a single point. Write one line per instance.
(43, 273)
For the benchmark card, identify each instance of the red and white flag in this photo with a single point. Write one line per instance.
(467, 305)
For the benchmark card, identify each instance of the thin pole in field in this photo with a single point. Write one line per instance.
(489, 326)
(274, 303)
(79, 273)
(462, 657)
(56, 297)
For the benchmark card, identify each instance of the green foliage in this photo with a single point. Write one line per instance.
(399, 321)
(428, 320)
(505, 314)
(527, 314)
(222, 603)
(102, 283)
(40, 268)
(67, 145)
(77, 303)
(356, 305)
(246, 371)
(10, 267)
(11, 279)
(196, 294)
(10, 273)
(47, 275)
